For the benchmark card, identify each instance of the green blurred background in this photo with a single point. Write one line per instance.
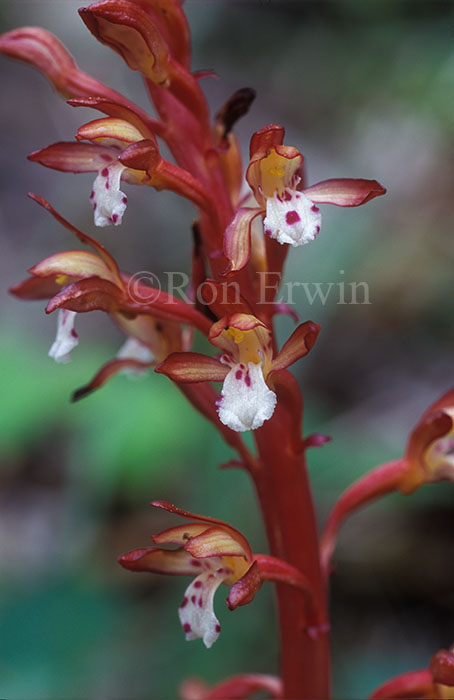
(365, 89)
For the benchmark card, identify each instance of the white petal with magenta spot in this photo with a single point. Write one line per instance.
(292, 218)
(246, 401)
(66, 339)
(196, 612)
(109, 202)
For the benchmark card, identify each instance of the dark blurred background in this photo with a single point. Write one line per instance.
(365, 89)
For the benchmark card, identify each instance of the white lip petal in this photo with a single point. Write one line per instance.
(246, 401)
(66, 339)
(196, 612)
(292, 218)
(109, 202)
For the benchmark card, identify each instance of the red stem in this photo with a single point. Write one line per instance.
(286, 502)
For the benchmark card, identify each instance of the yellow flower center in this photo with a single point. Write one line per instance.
(277, 172)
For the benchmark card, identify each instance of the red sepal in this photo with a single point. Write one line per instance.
(71, 157)
(297, 346)
(243, 591)
(345, 192)
(376, 483)
(192, 367)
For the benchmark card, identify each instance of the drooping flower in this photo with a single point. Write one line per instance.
(77, 281)
(429, 457)
(213, 552)
(246, 367)
(110, 156)
(289, 210)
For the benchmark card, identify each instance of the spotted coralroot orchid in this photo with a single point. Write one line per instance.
(246, 367)
(213, 552)
(429, 457)
(235, 239)
(290, 211)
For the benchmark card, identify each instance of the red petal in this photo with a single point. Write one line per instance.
(192, 367)
(267, 137)
(298, 345)
(170, 17)
(159, 561)
(345, 192)
(205, 519)
(237, 238)
(36, 288)
(243, 591)
(74, 264)
(92, 294)
(215, 542)
(107, 371)
(376, 483)
(71, 157)
(110, 128)
(130, 112)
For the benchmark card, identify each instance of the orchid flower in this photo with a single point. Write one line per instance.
(429, 457)
(119, 149)
(289, 210)
(246, 367)
(81, 280)
(213, 552)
